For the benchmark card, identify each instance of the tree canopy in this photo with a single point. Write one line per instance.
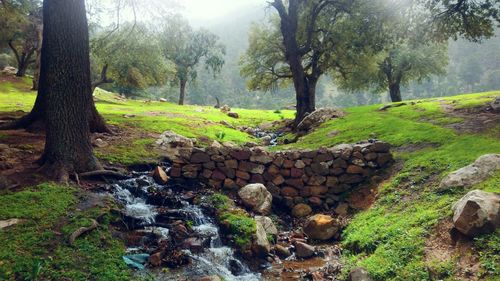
(186, 48)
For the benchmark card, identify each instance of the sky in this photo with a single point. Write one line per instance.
(206, 11)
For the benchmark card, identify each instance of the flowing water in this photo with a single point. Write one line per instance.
(216, 259)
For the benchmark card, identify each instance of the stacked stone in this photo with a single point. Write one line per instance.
(315, 177)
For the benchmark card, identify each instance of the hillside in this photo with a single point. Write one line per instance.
(403, 234)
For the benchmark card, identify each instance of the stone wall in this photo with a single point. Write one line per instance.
(315, 177)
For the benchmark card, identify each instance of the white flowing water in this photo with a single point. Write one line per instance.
(215, 260)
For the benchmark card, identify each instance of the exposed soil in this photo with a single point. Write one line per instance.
(445, 245)
(476, 120)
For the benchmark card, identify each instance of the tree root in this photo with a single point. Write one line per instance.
(385, 107)
(104, 173)
(81, 231)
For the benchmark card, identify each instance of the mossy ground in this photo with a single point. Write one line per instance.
(389, 238)
(38, 248)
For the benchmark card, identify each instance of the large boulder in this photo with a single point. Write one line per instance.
(472, 174)
(318, 117)
(261, 245)
(478, 212)
(359, 274)
(321, 227)
(256, 197)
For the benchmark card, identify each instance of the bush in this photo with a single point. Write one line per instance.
(5, 60)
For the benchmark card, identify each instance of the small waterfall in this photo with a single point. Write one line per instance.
(214, 260)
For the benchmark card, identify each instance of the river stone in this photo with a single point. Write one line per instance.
(261, 245)
(159, 175)
(301, 210)
(321, 227)
(282, 251)
(478, 212)
(472, 174)
(257, 197)
(268, 224)
(303, 250)
(359, 274)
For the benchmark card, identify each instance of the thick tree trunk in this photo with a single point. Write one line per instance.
(65, 84)
(306, 95)
(395, 92)
(182, 95)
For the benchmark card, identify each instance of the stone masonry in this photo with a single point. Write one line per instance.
(315, 177)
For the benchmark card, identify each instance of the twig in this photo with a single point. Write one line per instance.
(104, 173)
(81, 231)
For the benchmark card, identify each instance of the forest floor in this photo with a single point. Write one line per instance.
(403, 236)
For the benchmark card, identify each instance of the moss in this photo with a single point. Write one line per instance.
(38, 248)
(236, 221)
(137, 152)
(488, 247)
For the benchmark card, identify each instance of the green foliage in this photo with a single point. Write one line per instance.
(488, 247)
(234, 220)
(220, 135)
(134, 59)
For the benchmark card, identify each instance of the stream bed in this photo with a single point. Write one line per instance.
(167, 229)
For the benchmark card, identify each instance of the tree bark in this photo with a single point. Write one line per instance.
(304, 85)
(182, 95)
(66, 87)
(395, 92)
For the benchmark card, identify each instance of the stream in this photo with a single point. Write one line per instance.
(158, 215)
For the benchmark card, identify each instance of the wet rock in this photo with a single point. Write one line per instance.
(341, 209)
(301, 210)
(282, 251)
(155, 259)
(478, 212)
(257, 197)
(210, 278)
(359, 274)
(195, 244)
(303, 250)
(472, 174)
(267, 224)
(159, 175)
(261, 245)
(321, 227)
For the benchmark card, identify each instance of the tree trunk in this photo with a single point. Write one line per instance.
(395, 92)
(22, 66)
(65, 84)
(182, 86)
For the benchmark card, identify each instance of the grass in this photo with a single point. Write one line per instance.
(201, 122)
(37, 248)
(388, 239)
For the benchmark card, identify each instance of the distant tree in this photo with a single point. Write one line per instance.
(65, 90)
(187, 48)
(309, 39)
(130, 58)
(20, 22)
